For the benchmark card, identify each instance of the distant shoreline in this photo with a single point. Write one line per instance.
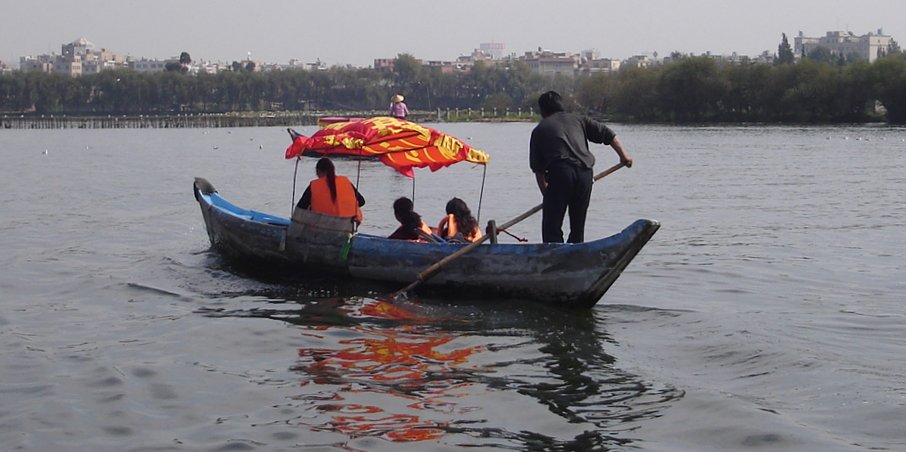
(10, 121)
(245, 119)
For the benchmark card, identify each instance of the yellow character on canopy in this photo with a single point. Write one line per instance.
(448, 146)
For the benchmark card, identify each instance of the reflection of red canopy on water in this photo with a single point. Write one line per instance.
(397, 143)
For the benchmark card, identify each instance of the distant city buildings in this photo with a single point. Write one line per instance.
(590, 62)
(546, 62)
(495, 50)
(540, 61)
(868, 47)
(81, 57)
(318, 65)
(146, 65)
(76, 58)
(384, 64)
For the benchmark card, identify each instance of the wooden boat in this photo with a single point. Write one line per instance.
(574, 275)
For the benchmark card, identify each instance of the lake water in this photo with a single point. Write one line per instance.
(767, 313)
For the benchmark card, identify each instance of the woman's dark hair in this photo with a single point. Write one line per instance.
(325, 166)
(550, 103)
(464, 219)
(402, 205)
(402, 209)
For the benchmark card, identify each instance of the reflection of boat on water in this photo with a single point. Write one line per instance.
(407, 372)
(566, 274)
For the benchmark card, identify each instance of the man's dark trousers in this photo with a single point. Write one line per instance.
(568, 187)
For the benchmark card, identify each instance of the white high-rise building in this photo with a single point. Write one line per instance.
(867, 47)
(495, 50)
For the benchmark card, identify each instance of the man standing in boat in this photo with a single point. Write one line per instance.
(562, 163)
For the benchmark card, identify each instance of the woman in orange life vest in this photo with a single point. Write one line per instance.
(411, 225)
(459, 224)
(331, 194)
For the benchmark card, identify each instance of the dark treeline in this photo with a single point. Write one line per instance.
(686, 90)
(128, 92)
(702, 89)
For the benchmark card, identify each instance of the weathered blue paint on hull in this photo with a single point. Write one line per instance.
(568, 274)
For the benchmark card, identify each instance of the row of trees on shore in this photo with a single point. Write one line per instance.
(686, 90)
(700, 89)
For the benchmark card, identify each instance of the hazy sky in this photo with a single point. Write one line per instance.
(355, 32)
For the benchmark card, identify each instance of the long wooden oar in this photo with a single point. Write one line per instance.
(429, 272)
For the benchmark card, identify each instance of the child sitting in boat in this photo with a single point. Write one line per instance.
(459, 224)
(411, 225)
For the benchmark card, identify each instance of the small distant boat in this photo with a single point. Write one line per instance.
(324, 121)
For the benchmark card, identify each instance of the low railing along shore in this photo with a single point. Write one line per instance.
(215, 120)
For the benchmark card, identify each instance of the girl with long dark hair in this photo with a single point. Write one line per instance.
(331, 194)
(459, 224)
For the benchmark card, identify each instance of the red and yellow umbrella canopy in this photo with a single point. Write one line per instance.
(397, 143)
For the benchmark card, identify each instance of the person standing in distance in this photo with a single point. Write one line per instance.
(562, 163)
(398, 108)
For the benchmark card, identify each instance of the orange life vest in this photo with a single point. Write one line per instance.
(346, 204)
(448, 228)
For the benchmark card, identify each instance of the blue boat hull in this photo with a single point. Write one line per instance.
(567, 274)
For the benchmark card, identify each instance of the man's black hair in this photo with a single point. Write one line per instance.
(550, 103)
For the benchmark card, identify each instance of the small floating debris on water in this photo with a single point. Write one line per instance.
(45, 152)
(215, 147)
(260, 146)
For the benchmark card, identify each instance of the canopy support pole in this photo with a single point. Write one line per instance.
(358, 176)
(413, 188)
(358, 172)
(484, 175)
(292, 203)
